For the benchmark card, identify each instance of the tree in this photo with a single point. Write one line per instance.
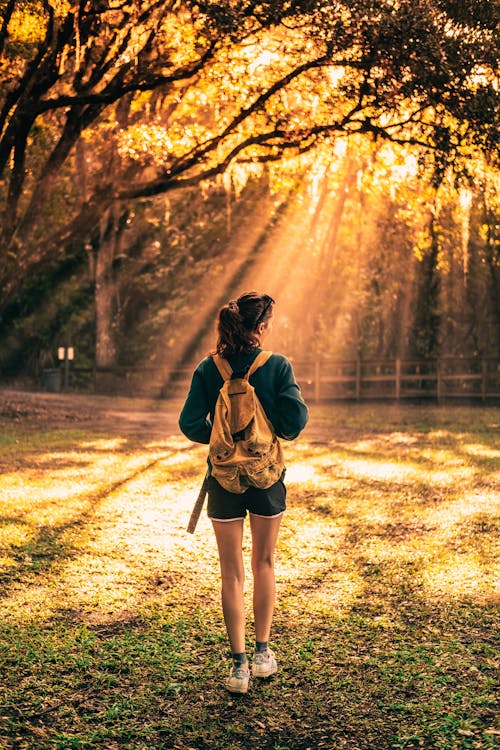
(232, 81)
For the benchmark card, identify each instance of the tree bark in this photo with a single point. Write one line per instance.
(106, 290)
(427, 317)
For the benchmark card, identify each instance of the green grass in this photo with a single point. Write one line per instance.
(111, 634)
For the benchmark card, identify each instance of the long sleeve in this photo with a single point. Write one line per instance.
(291, 411)
(193, 419)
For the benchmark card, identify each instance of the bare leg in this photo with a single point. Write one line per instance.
(264, 538)
(229, 536)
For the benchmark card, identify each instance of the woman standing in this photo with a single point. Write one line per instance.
(243, 325)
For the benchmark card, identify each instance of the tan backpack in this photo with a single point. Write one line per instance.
(244, 450)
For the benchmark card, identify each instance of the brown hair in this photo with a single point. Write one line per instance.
(238, 322)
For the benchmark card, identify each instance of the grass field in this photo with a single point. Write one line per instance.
(386, 626)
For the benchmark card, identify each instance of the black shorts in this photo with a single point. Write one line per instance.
(228, 506)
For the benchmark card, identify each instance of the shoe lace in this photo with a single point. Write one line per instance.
(260, 658)
(240, 673)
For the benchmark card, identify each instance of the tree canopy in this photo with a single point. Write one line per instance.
(107, 106)
(166, 94)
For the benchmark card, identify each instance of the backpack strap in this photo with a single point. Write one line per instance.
(225, 370)
(259, 360)
(223, 367)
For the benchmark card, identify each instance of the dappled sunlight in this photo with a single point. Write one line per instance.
(441, 468)
(394, 438)
(89, 539)
(482, 451)
(173, 443)
(13, 533)
(103, 444)
(395, 458)
(400, 510)
(336, 594)
(461, 574)
(97, 529)
(65, 488)
(379, 470)
(7, 562)
(442, 456)
(159, 159)
(301, 473)
(462, 508)
(85, 585)
(114, 569)
(312, 565)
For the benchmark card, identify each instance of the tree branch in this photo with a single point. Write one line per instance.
(4, 29)
(200, 151)
(104, 65)
(258, 102)
(112, 93)
(301, 140)
(40, 75)
(16, 182)
(31, 71)
(172, 181)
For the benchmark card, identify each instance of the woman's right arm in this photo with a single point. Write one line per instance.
(193, 420)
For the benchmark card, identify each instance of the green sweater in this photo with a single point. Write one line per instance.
(274, 384)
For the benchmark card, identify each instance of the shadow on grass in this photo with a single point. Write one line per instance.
(384, 629)
(344, 681)
(46, 547)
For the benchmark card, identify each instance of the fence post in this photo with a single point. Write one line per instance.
(439, 385)
(398, 379)
(358, 379)
(316, 381)
(484, 378)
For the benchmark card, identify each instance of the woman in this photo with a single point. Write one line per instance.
(243, 325)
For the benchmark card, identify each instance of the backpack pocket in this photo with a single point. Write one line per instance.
(229, 478)
(266, 471)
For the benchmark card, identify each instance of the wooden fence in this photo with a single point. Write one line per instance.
(327, 380)
(396, 379)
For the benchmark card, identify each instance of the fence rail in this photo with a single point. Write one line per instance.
(475, 378)
(450, 377)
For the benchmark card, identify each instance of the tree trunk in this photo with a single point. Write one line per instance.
(106, 286)
(427, 319)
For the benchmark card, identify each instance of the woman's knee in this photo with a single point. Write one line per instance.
(233, 576)
(262, 563)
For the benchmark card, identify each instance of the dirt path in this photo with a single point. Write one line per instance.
(141, 417)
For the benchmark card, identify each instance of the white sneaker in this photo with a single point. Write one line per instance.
(264, 665)
(238, 680)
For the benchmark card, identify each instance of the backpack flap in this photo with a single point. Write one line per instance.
(221, 439)
(241, 407)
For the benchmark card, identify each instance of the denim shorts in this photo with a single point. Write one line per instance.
(228, 506)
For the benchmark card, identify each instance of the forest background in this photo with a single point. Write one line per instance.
(157, 158)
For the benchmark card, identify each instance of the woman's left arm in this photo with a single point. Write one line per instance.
(291, 408)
